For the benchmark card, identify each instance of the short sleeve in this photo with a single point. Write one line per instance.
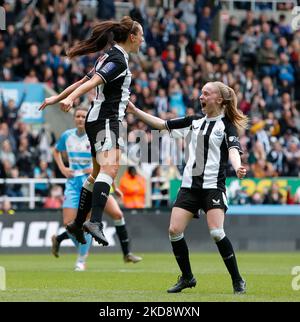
(180, 127)
(111, 70)
(91, 73)
(232, 139)
(179, 123)
(61, 143)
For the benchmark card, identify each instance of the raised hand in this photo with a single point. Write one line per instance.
(48, 101)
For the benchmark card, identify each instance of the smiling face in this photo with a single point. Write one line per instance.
(211, 100)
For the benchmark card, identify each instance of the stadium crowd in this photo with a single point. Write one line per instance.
(258, 56)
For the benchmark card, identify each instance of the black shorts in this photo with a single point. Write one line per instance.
(104, 135)
(194, 200)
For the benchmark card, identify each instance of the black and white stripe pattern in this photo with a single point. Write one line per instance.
(112, 96)
(208, 146)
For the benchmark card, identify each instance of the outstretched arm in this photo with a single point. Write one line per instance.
(56, 98)
(67, 103)
(149, 119)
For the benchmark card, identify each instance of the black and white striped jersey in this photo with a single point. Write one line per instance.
(209, 140)
(112, 96)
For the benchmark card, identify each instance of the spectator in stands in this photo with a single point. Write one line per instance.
(106, 9)
(290, 199)
(6, 153)
(14, 190)
(45, 142)
(11, 109)
(26, 158)
(277, 157)
(267, 59)
(188, 16)
(285, 70)
(232, 33)
(297, 196)
(42, 171)
(263, 169)
(292, 154)
(6, 206)
(273, 196)
(205, 17)
(133, 187)
(55, 198)
(137, 13)
(256, 198)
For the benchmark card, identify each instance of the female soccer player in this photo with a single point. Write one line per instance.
(213, 139)
(75, 144)
(111, 77)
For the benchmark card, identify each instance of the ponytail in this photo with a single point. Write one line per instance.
(235, 116)
(104, 34)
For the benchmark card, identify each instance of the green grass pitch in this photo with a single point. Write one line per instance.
(45, 278)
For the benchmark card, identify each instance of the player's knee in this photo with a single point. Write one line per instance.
(91, 178)
(65, 222)
(119, 222)
(117, 215)
(176, 237)
(174, 231)
(217, 234)
(89, 183)
(112, 170)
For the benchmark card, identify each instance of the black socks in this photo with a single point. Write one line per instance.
(181, 253)
(62, 237)
(84, 207)
(227, 253)
(123, 237)
(99, 199)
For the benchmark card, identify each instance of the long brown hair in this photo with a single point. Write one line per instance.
(237, 117)
(103, 34)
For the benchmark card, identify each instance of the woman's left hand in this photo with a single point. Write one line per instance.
(241, 172)
(66, 104)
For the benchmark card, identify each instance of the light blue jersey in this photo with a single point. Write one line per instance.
(78, 150)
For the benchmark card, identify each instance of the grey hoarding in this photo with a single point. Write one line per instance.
(31, 231)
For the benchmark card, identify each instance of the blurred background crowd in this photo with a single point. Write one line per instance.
(258, 56)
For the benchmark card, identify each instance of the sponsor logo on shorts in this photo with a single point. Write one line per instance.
(216, 202)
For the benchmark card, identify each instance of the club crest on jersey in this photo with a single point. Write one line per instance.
(218, 133)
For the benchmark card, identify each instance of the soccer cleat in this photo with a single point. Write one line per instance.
(96, 230)
(239, 287)
(76, 231)
(55, 246)
(131, 258)
(181, 284)
(80, 267)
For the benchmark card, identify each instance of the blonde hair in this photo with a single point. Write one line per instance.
(237, 117)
